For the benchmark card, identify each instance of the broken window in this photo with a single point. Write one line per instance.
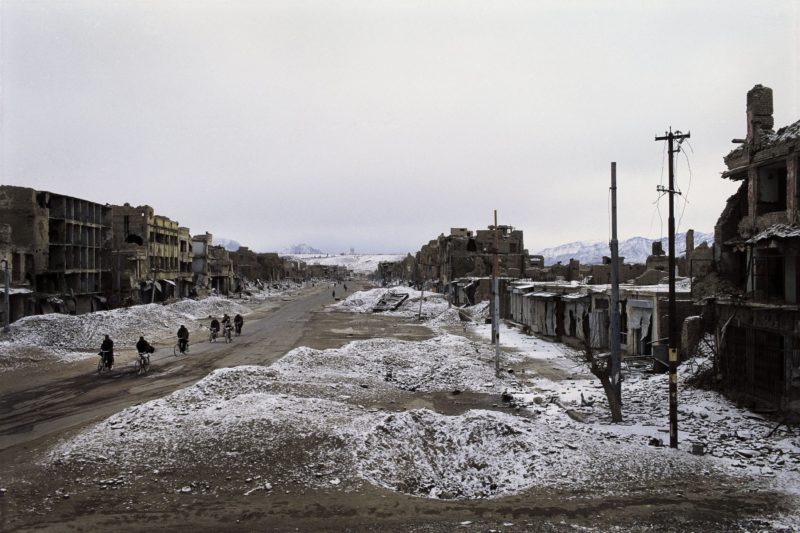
(769, 275)
(771, 194)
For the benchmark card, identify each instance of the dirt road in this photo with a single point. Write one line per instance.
(37, 409)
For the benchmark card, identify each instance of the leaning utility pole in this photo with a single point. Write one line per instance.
(616, 382)
(496, 301)
(671, 137)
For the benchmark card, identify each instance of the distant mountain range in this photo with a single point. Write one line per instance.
(229, 244)
(302, 248)
(634, 250)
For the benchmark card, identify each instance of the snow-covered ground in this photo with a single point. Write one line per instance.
(555, 433)
(57, 337)
(358, 263)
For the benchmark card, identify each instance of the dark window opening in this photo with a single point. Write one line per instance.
(768, 275)
(133, 238)
(771, 194)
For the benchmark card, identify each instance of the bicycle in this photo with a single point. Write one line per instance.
(102, 365)
(143, 363)
(177, 349)
(227, 334)
(212, 336)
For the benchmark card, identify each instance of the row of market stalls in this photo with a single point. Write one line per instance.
(575, 313)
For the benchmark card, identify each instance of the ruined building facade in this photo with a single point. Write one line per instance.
(60, 249)
(69, 255)
(757, 247)
(151, 255)
(464, 253)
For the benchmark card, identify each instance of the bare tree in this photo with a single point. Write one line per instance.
(600, 366)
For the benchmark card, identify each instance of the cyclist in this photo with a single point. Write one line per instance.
(238, 321)
(226, 320)
(183, 338)
(107, 351)
(144, 347)
(214, 328)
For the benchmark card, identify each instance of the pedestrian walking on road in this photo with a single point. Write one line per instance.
(334, 294)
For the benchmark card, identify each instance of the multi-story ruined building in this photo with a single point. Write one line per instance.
(139, 229)
(59, 247)
(463, 253)
(220, 269)
(757, 246)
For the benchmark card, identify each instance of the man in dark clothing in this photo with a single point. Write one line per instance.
(107, 350)
(238, 322)
(214, 328)
(183, 338)
(144, 347)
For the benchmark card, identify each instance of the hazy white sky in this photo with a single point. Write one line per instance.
(379, 125)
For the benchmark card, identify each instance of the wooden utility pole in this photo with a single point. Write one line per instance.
(671, 137)
(616, 381)
(496, 300)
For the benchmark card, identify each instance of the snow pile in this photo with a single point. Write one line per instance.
(70, 337)
(212, 306)
(66, 333)
(487, 453)
(444, 363)
(229, 419)
(479, 454)
(433, 304)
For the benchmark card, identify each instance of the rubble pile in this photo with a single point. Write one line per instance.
(433, 304)
(446, 362)
(484, 454)
(750, 441)
(477, 455)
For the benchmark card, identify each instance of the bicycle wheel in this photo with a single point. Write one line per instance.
(176, 350)
(146, 364)
(101, 366)
(140, 366)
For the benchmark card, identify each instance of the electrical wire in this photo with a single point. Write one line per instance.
(658, 198)
(685, 196)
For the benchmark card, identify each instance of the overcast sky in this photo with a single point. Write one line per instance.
(380, 125)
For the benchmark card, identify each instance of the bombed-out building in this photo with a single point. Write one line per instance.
(757, 246)
(152, 255)
(464, 253)
(59, 248)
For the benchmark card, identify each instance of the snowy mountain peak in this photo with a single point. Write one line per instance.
(634, 250)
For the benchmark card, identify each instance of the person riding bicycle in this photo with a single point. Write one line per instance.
(227, 327)
(107, 350)
(238, 321)
(144, 347)
(183, 338)
(214, 327)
